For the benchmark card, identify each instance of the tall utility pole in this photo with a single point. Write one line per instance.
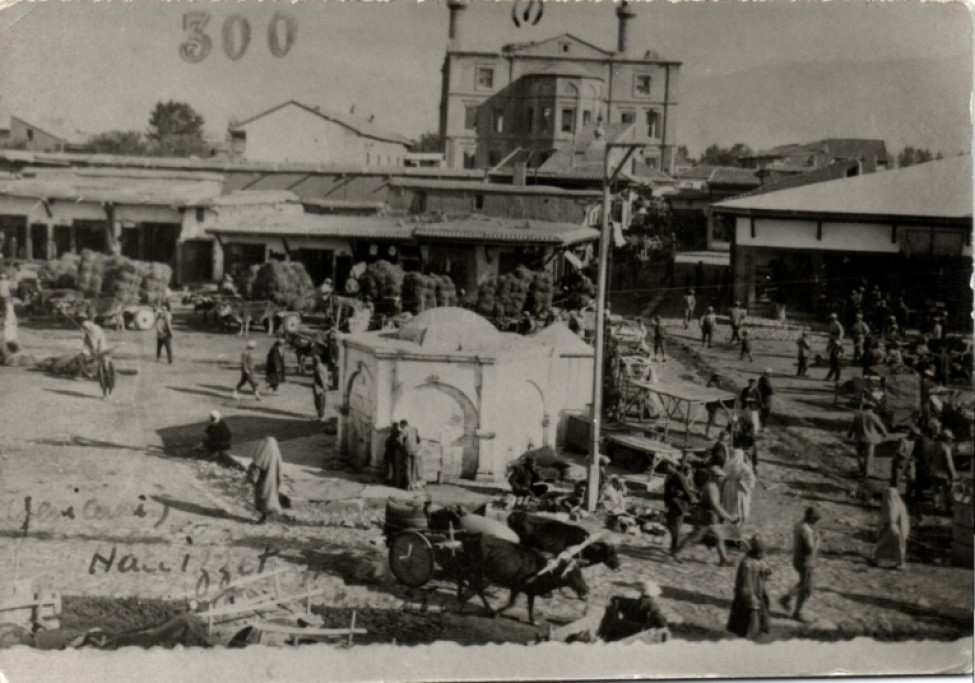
(605, 244)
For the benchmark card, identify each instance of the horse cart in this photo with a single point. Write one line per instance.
(414, 548)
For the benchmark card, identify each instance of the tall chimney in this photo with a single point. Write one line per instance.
(455, 7)
(624, 13)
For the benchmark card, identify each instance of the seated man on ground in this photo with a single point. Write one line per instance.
(216, 442)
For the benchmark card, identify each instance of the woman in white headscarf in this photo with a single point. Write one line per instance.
(895, 527)
(265, 474)
(736, 490)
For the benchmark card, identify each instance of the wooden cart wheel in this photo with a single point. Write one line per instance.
(411, 558)
(291, 323)
(144, 319)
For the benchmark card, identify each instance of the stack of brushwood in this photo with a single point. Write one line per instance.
(512, 293)
(445, 290)
(60, 273)
(102, 275)
(287, 284)
(419, 292)
(382, 280)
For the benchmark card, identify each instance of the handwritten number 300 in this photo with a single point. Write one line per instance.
(236, 36)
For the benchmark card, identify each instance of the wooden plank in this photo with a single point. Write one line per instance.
(310, 631)
(270, 604)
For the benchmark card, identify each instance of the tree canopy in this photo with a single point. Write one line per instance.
(428, 142)
(124, 142)
(911, 155)
(176, 129)
(716, 155)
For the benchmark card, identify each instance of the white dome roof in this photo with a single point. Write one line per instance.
(450, 328)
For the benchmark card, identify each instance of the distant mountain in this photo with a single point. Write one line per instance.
(924, 103)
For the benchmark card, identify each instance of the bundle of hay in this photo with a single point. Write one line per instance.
(91, 273)
(541, 291)
(155, 282)
(486, 297)
(382, 280)
(419, 292)
(286, 283)
(121, 280)
(511, 295)
(245, 279)
(445, 290)
(60, 273)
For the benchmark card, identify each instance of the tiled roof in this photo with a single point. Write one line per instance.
(361, 126)
(586, 149)
(832, 148)
(721, 175)
(727, 175)
(840, 169)
(106, 187)
(937, 189)
(644, 172)
(513, 231)
(480, 186)
(468, 229)
(220, 165)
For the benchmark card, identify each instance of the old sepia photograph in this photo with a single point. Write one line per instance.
(441, 340)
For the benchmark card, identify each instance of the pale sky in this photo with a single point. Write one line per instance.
(103, 65)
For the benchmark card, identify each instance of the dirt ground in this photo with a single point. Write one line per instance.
(122, 507)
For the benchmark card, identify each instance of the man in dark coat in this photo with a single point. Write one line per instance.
(217, 439)
(319, 385)
(750, 607)
(805, 551)
(766, 391)
(392, 460)
(522, 478)
(274, 366)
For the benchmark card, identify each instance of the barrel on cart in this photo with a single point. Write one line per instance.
(415, 549)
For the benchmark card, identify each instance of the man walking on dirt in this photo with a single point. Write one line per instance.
(689, 303)
(679, 497)
(805, 550)
(708, 321)
(804, 349)
(247, 372)
(658, 340)
(737, 316)
(859, 333)
(714, 517)
(164, 333)
(867, 430)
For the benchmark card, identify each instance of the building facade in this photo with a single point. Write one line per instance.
(528, 100)
(294, 132)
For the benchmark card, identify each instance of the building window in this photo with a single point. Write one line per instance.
(642, 85)
(568, 120)
(470, 158)
(30, 133)
(565, 47)
(478, 202)
(627, 117)
(546, 118)
(530, 119)
(586, 117)
(653, 124)
(485, 78)
(494, 157)
(470, 117)
(497, 120)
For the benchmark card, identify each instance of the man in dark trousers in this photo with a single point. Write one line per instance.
(319, 385)
(274, 366)
(866, 430)
(679, 497)
(708, 322)
(805, 550)
(766, 391)
(737, 317)
(835, 366)
(803, 344)
(247, 372)
(658, 340)
(164, 333)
